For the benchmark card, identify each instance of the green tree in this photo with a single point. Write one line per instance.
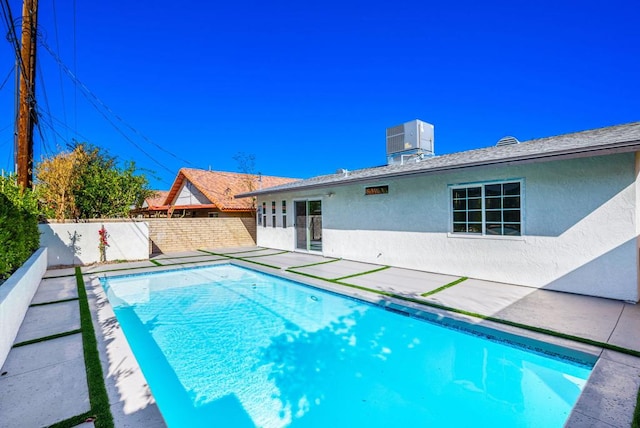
(106, 190)
(88, 183)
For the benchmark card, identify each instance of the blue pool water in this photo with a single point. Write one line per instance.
(224, 346)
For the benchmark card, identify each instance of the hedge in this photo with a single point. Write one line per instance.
(19, 235)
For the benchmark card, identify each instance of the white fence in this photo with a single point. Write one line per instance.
(78, 243)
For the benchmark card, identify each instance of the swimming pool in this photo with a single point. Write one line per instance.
(231, 347)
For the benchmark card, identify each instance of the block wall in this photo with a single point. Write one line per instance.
(189, 234)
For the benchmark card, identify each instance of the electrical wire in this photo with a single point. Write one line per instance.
(93, 99)
(75, 65)
(44, 142)
(55, 27)
(12, 35)
(96, 102)
(7, 78)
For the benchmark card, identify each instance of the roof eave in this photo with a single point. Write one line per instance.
(626, 147)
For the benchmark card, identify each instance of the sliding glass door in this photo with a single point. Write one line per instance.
(308, 225)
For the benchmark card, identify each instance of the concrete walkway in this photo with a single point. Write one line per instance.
(50, 376)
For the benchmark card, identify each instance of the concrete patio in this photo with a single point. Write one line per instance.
(45, 382)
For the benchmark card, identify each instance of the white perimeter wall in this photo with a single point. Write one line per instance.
(579, 226)
(77, 243)
(16, 294)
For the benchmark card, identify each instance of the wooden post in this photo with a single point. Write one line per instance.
(27, 96)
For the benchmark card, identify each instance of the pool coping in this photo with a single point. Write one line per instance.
(529, 339)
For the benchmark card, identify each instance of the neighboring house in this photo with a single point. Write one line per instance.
(559, 213)
(201, 193)
(153, 206)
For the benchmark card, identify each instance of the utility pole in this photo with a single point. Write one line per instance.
(27, 94)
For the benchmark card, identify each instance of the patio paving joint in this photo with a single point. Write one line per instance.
(361, 273)
(616, 324)
(263, 255)
(311, 264)
(444, 287)
(43, 339)
(53, 302)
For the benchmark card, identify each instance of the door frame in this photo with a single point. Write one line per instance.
(307, 226)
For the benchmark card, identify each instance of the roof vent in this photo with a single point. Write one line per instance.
(507, 141)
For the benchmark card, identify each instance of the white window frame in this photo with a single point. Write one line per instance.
(482, 185)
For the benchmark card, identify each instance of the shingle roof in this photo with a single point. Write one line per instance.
(221, 187)
(613, 139)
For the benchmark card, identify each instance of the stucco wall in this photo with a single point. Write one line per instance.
(77, 243)
(579, 227)
(16, 294)
(169, 235)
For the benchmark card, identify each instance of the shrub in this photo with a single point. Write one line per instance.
(19, 234)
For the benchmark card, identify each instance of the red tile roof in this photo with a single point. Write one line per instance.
(221, 187)
(157, 200)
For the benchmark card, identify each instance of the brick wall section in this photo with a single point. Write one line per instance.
(168, 235)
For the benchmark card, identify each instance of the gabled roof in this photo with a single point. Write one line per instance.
(220, 188)
(157, 200)
(613, 139)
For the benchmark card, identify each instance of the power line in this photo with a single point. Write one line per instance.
(55, 27)
(12, 35)
(67, 127)
(95, 102)
(13, 67)
(93, 98)
(75, 65)
(43, 140)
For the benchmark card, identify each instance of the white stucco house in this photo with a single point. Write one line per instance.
(560, 213)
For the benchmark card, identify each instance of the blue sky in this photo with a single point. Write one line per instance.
(310, 87)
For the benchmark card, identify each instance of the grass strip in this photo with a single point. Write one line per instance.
(43, 339)
(155, 262)
(96, 272)
(98, 398)
(236, 252)
(230, 256)
(71, 299)
(182, 257)
(245, 259)
(362, 273)
(333, 281)
(635, 423)
(59, 276)
(218, 254)
(264, 255)
(444, 287)
(484, 317)
(74, 421)
(314, 264)
(257, 263)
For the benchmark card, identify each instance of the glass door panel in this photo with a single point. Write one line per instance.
(301, 225)
(315, 225)
(308, 225)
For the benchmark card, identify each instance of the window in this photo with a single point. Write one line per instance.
(212, 214)
(264, 214)
(284, 214)
(487, 209)
(259, 216)
(273, 213)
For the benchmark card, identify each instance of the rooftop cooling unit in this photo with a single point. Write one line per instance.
(411, 138)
